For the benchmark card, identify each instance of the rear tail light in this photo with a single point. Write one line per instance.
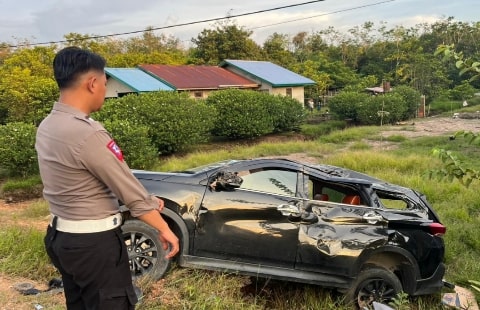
(437, 229)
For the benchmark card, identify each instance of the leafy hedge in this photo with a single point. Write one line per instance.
(345, 105)
(398, 105)
(288, 114)
(412, 99)
(250, 114)
(150, 124)
(135, 143)
(384, 109)
(171, 121)
(17, 149)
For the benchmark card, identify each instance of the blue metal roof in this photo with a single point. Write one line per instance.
(137, 79)
(269, 72)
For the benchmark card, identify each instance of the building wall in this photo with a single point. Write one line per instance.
(114, 88)
(203, 93)
(296, 92)
(198, 94)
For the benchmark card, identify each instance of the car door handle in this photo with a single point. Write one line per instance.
(372, 218)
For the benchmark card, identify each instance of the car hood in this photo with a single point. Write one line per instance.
(153, 175)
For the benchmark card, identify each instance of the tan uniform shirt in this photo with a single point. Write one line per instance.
(82, 169)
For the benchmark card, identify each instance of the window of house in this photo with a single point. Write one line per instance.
(198, 94)
(288, 92)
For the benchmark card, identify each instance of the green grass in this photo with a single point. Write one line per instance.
(446, 107)
(21, 187)
(314, 131)
(198, 158)
(350, 134)
(22, 183)
(23, 253)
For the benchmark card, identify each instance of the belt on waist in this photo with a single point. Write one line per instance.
(87, 226)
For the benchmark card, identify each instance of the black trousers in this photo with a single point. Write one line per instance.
(94, 268)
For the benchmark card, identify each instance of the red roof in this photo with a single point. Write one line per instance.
(198, 77)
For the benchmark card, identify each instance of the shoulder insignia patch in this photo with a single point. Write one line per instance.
(115, 149)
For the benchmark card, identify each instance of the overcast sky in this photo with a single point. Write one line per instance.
(49, 20)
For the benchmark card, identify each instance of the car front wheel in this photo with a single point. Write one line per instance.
(145, 251)
(374, 284)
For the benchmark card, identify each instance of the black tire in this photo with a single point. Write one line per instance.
(145, 251)
(374, 284)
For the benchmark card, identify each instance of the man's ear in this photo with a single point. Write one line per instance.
(91, 83)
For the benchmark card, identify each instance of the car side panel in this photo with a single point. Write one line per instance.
(334, 243)
(245, 226)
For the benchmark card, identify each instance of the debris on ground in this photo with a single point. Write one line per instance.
(54, 286)
(461, 298)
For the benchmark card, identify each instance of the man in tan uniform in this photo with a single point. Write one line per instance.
(84, 175)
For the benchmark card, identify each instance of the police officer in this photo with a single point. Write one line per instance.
(84, 175)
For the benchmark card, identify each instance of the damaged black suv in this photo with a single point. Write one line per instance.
(293, 221)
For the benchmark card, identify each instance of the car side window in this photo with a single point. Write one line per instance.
(282, 182)
(320, 190)
(394, 202)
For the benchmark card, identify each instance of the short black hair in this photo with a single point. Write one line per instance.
(71, 62)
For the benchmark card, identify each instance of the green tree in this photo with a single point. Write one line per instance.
(26, 85)
(453, 168)
(276, 48)
(37, 60)
(467, 66)
(225, 41)
(312, 70)
(463, 91)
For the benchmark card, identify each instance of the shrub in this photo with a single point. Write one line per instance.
(411, 98)
(174, 121)
(17, 149)
(288, 114)
(375, 110)
(463, 91)
(382, 109)
(242, 114)
(136, 145)
(345, 105)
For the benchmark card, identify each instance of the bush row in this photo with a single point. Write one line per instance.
(150, 124)
(249, 114)
(399, 105)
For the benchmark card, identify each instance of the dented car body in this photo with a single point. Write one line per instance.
(294, 221)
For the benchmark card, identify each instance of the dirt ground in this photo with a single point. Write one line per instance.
(433, 127)
(10, 299)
